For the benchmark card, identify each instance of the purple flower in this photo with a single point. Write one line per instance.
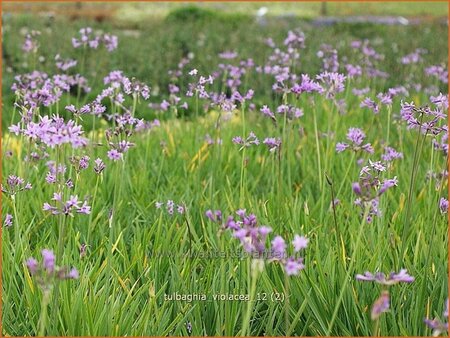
(393, 278)
(32, 265)
(73, 274)
(251, 140)
(215, 216)
(99, 166)
(31, 45)
(333, 83)
(443, 205)
(437, 325)
(267, 112)
(391, 154)
(272, 143)
(360, 92)
(15, 184)
(114, 155)
(380, 306)
(64, 65)
(293, 266)
(299, 243)
(295, 39)
(437, 71)
(356, 136)
(68, 207)
(8, 220)
(47, 272)
(369, 103)
(278, 247)
(48, 260)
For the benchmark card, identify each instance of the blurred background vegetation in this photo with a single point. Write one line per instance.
(153, 37)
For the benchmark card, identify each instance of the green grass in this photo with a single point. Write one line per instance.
(122, 279)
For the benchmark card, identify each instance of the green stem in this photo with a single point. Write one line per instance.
(246, 321)
(350, 269)
(407, 222)
(317, 147)
(242, 179)
(43, 317)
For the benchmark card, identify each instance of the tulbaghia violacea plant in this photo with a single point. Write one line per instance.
(253, 239)
(31, 45)
(37, 88)
(437, 71)
(99, 166)
(272, 143)
(381, 305)
(414, 57)
(47, 274)
(119, 85)
(89, 39)
(15, 184)
(369, 188)
(171, 207)
(52, 132)
(67, 208)
(443, 205)
(439, 326)
(249, 141)
(390, 154)
(368, 60)
(8, 221)
(332, 83)
(356, 137)
(384, 99)
(64, 64)
(329, 56)
(427, 120)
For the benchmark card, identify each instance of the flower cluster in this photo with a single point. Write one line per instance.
(382, 303)
(37, 88)
(437, 71)
(249, 141)
(46, 272)
(118, 143)
(424, 118)
(356, 137)
(52, 131)
(437, 325)
(390, 154)
(272, 143)
(80, 163)
(66, 207)
(89, 39)
(329, 56)
(99, 166)
(253, 238)
(64, 64)
(15, 184)
(170, 207)
(332, 83)
(369, 188)
(31, 44)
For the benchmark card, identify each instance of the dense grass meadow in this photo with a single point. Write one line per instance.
(209, 173)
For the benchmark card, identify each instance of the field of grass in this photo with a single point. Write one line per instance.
(134, 256)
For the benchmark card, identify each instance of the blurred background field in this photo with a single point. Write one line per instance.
(136, 11)
(154, 37)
